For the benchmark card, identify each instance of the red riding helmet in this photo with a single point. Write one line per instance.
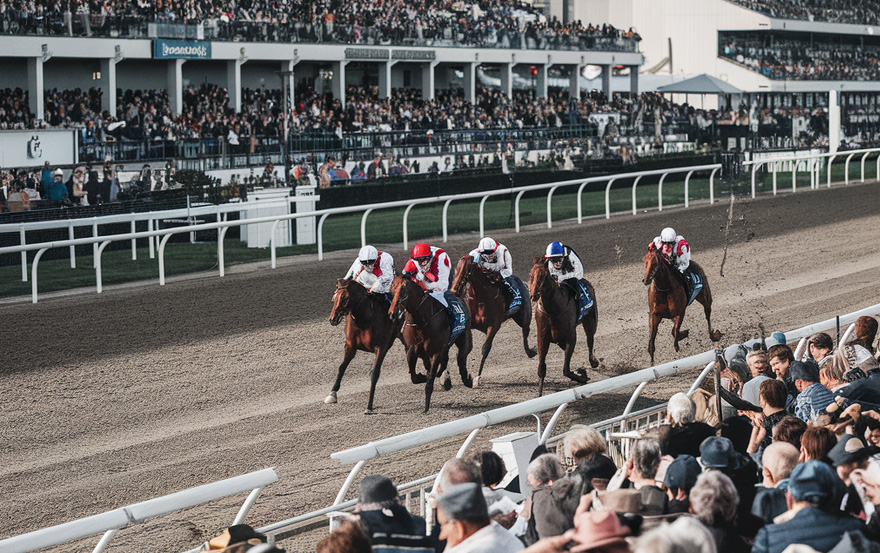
(421, 250)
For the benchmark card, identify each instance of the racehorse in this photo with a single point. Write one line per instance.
(426, 334)
(668, 297)
(556, 315)
(486, 305)
(368, 328)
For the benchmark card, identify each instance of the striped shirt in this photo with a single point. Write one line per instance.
(812, 400)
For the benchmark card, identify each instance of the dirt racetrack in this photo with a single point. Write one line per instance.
(144, 391)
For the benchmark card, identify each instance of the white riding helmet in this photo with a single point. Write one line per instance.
(668, 235)
(368, 255)
(487, 245)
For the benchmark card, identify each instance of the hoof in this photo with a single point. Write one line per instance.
(330, 398)
(476, 382)
(447, 384)
(594, 362)
(683, 334)
(531, 352)
(468, 382)
(715, 335)
(577, 377)
(418, 378)
(370, 412)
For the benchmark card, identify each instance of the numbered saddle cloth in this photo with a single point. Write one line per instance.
(585, 301)
(457, 316)
(695, 285)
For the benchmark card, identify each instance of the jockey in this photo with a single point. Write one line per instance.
(430, 266)
(495, 257)
(565, 267)
(373, 269)
(674, 248)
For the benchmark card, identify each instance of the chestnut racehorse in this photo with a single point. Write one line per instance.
(556, 316)
(426, 334)
(486, 305)
(668, 297)
(368, 328)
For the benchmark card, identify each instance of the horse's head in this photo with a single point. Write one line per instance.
(341, 300)
(652, 263)
(537, 277)
(400, 295)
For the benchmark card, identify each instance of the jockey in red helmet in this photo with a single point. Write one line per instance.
(430, 267)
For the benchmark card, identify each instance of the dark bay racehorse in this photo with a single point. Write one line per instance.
(487, 305)
(426, 334)
(368, 328)
(668, 297)
(556, 315)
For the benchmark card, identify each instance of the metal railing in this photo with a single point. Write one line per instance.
(813, 167)
(111, 522)
(99, 243)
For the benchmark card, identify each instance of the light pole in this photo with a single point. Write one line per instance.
(285, 122)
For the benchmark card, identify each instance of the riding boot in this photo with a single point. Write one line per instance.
(514, 298)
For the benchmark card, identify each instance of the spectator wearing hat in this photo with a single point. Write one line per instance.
(718, 453)
(679, 480)
(778, 460)
(851, 455)
(714, 500)
(465, 525)
(390, 526)
(686, 434)
(812, 396)
(56, 191)
(813, 518)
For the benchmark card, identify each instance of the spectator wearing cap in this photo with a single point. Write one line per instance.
(812, 396)
(390, 526)
(714, 501)
(848, 456)
(465, 525)
(778, 460)
(56, 191)
(679, 480)
(718, 453)
(686, 434)
(813, 517)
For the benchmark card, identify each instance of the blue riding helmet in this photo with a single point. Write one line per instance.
(555, 249)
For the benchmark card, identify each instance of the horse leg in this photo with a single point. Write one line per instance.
(374, 378)
(487, 347)
(465, 344)
(524, 319)
(411, 359)
(677, 333)
(543, 346)
(350, 352)
(655, 324)
(705, 298)
(590, 324)
(429, 383)
(566, 366)
(447, 380)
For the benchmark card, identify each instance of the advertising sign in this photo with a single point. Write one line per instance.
(181, 49)
(33, 148)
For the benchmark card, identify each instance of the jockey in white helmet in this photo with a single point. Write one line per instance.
(495, 257)
(674, 247)
(373, 269)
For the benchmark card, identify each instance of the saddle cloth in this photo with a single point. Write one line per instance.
(457, 316)
(585, 302)
(695, 285)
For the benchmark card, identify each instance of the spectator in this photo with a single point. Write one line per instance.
(465, 524)
(56, 190)
(870, 484)
(758, 369)
(547, 514)
(813, 518)
(778, 461)
(501, 507)
(820, 346)
(349, 537)
(780, 358)
(717, 453)
(816, 443)
(645, 461)
(684, 535)
(686, 434)
(389, 525)
(772, 401)
(866, 333)
(714, 502)
(812, 396)
(679, 480)
(458, 471)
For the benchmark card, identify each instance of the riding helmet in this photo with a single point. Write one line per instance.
(668, 235)
(487, 245)
(368, 255)
(555, 249)
(421, 250)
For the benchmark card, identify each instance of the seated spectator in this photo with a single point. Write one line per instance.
(812, 396)
(714, 501)
(778, 461)
(686, 434)
(56, 190)
(866, 333)
(820, 345)
(645, 461)
(679, 480)
(458, 471)
(501, 506)
(580, 444)
(547, 514)
(813, 518)
(389, 525)
(465, 524)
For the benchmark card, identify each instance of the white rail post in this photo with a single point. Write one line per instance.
(877, 177)
(445, 222)
(687, 178)
(348, 482)
(608, 198)
(34, 273)
(467, 443)
(549, 206)
(712, 185)
(23, 242)
(71, 236)
(700, 378)
(660, 192)
(580, 207)
(800, 348)
(794, 165)
(405, 229)
(754, 170)
(98, 279)
(221, 258)
(134, 251)
(482, 216)
(830, 161)
(635, 183)
(321, 236)
(364, 227)
(846, 169)
(551, 424)
(272, 242)
(94, 244)
(516, 209)
(162, 259)
(863, 164)
(246, 507)
(774, 164)
(150, 228)
(105, 539)
(849, 332)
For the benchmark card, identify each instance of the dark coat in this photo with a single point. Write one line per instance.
(686, 439)
(402, 531)
(811, 526)
(769, 503)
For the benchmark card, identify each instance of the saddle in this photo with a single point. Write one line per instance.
(582, 293)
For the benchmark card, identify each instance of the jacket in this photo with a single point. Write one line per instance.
(811, 526)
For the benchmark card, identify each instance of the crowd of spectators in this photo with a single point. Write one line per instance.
(485, 24)
(861, 12)
(780, 58)
(799, 468)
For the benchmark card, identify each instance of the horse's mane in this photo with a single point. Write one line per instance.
(460, 274)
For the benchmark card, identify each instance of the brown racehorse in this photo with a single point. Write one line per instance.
(556, 315)
(426, 334)
(368, 328)
(486, 305)
(667, 297)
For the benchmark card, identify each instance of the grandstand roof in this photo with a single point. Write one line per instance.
(701, 84)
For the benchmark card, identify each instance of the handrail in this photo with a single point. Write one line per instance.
(756, 164)
(114, 520)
